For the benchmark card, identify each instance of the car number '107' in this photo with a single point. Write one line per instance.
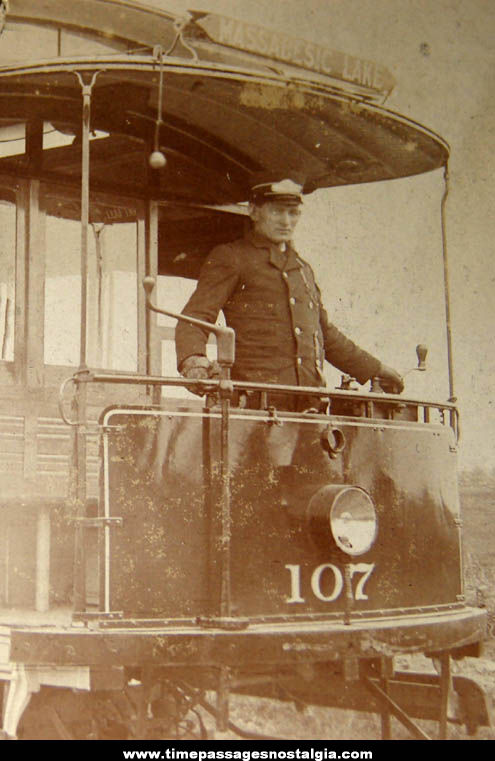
(334, 579)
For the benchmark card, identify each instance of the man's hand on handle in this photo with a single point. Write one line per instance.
(390, 380)
(199, 367)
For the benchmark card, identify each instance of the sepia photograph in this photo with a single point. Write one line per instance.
(247, 373)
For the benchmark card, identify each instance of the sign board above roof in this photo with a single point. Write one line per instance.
(297, 52)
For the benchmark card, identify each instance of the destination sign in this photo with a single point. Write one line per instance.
(307, 55)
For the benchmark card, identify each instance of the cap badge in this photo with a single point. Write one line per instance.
(287, 186)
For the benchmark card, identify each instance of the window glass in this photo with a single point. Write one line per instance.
(62, 135)
(114, 294)
(62, 291)
(12, 138)
(112, 285)
(7, 279)
(173, 293)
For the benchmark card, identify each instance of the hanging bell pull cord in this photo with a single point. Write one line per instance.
(157, 159)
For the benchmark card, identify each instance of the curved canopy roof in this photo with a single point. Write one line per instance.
(227, 112)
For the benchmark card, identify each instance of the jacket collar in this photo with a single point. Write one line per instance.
(282, 260)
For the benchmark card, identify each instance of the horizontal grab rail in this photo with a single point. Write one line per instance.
(214, 384)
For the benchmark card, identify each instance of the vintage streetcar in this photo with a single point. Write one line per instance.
(159, 554)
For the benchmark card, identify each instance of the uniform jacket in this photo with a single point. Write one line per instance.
(272, 301)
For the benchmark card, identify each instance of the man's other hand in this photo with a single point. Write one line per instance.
(390, 380)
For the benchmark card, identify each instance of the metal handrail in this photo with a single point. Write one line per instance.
(214, 385)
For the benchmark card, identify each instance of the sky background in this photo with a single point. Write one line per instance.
(377, 248)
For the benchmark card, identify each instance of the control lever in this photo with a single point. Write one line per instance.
(421, 351)
(225, 336)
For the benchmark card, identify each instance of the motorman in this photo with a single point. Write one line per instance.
(269, 296)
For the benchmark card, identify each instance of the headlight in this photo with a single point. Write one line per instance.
(349, 513)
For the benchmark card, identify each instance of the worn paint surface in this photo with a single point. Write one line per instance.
(164, 480)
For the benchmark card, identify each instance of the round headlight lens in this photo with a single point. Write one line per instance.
(351, 514)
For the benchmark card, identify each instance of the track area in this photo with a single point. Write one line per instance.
(297, 722)
(256, 717)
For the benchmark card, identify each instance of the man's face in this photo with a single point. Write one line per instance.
(276, 220)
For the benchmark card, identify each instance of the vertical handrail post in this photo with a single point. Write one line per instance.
(446, 285)
(80, 443)
(225, 517)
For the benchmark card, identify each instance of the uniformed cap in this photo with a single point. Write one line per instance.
(277, 187)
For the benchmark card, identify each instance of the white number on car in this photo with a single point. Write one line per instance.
(327, 582)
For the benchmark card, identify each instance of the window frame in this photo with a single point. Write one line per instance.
(9, 367)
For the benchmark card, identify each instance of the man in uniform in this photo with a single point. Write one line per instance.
(269, 296)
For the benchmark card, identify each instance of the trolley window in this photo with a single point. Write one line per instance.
(12, 142)
(7, 275)
(112, 314)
